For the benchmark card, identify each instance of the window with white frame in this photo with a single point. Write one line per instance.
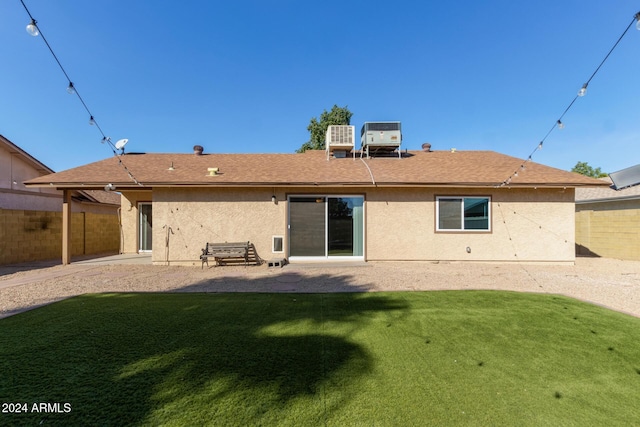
(454, 213)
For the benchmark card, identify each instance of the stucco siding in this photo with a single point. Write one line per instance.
(527, 225)
(198, 216)
(531, 225)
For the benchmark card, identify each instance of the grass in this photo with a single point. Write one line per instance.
(424, 358)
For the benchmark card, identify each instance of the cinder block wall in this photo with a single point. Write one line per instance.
(37, 235)
(609, 230)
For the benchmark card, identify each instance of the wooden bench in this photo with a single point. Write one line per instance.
(219, 251)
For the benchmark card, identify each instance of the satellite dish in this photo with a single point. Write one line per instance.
(121, 143)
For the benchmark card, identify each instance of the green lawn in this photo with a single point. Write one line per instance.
(368, 359)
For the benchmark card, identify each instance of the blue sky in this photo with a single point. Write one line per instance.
(247, 76)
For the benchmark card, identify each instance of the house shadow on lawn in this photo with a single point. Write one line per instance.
(191, 358)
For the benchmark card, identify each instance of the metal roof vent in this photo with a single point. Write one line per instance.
(426, 147)
(198, 149)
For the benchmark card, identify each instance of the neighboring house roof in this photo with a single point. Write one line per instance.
(92, 196)
(606, 193)
(415, 168)
(35, 163)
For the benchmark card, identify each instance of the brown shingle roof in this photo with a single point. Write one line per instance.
(606, 193)
(436, 168)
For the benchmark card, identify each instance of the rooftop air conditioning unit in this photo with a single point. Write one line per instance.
(340, 139)
(378, 137)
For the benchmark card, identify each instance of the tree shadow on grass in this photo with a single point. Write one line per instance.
(189, 358)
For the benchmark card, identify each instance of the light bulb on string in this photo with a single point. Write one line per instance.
(583, 90)
(32, 28)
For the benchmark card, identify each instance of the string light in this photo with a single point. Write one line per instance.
(33, 29)
(582, 92)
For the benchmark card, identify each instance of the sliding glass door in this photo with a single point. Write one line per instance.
(307, 224)
(326, 226)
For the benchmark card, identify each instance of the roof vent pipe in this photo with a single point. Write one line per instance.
(198, 149)
(426, 147)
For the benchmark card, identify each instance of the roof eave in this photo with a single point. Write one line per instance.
(608, 199)
(150, 185)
